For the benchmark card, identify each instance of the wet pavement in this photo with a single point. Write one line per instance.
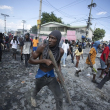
(17, 83)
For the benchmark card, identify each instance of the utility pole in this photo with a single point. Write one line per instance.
(5, 21)
(89, 18)
(23, 21)
(39, 21)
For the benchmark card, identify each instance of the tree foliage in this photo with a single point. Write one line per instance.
(98, 34)
(34, 29)
(46, 17)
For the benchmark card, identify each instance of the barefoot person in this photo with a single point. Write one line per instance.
(45, 75)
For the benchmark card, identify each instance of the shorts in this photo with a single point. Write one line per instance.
(34, 48)
(14, 50)
(102, 63)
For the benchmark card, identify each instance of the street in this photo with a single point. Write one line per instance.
(17, 83)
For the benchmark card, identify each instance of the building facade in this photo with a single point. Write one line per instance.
(47, 28)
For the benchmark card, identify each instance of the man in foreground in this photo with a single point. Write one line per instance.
(45, 75)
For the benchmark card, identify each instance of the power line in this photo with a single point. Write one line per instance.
(61, 12)
(101, 17)
(71, 4)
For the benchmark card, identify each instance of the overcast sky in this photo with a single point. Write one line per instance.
(73, 12)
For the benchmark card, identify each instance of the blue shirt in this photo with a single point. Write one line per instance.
(41, 73)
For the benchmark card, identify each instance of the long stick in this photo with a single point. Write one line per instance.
(59, 75)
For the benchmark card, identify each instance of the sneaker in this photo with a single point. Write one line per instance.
(64, 65)
(76, 69)
(33, 102)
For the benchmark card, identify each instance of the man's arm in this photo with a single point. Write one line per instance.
(33, 59)
(90, 60)
(105, 58)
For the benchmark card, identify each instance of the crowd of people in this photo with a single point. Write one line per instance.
(35, 54)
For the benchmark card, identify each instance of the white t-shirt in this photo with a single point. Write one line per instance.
(27, 48)
(65, 47)
(14, 45)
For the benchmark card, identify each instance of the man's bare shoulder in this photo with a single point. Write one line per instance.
(61, 50)
(41, 47)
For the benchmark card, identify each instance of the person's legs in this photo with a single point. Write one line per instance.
(21, 57)
(64, 58)
(56, 90)
(14, 53)
(28, 56)
(103, 81)
(77, 59)
(103, 66)
(82, 69)
(26, 60)
(39, 83)
(15, 56)
(94, 71)
(72, 57)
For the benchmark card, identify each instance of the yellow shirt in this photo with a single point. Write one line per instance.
(78, 53)
(35, 42)
(93, 56)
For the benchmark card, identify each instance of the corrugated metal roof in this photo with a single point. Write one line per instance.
(63, 25)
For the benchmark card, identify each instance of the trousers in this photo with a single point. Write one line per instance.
(104, 80)
(27, 56)
(53, 85)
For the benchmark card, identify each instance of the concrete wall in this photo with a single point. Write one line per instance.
(79, 31)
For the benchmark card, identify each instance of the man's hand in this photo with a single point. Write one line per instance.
(59, 80)
(48, 62)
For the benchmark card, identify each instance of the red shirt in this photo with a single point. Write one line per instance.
(106, 52)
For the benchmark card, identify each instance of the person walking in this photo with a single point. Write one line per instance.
(45, 75)
(65, 46)
(26, 48)
(71, 46)
(90, 61)
(14, 43)
(78, 53)
(35, 43)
